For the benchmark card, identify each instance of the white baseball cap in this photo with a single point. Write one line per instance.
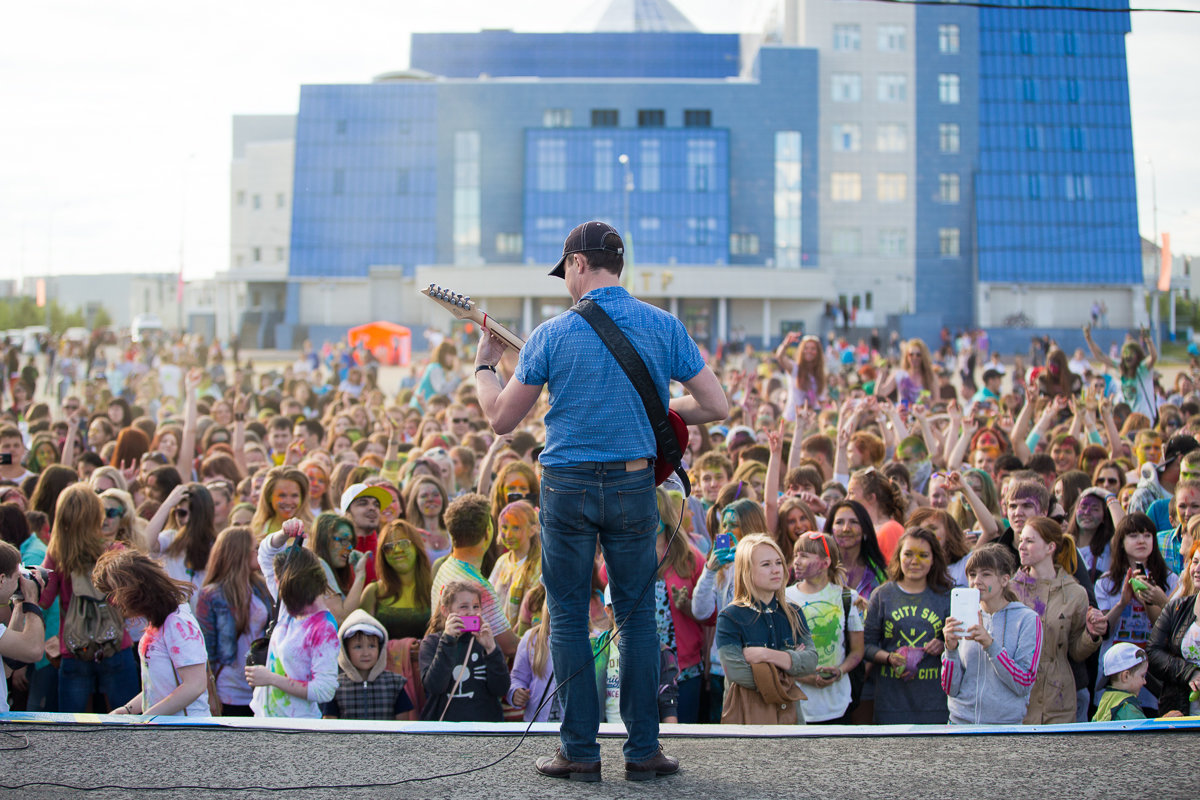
(1122, 656)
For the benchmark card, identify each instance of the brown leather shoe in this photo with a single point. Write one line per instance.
(557, 766)
(656, 766)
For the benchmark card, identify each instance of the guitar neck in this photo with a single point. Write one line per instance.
(490, 324)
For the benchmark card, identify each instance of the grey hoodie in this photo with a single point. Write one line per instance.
(992, 686)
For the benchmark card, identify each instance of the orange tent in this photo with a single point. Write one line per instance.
(387, 341)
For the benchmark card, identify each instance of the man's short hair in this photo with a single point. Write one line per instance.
(281, 423)
(1031, 489)
(713, 460)
(818, 443)
(605, 260)
(11, 432)
(1042, 464)
(314, 428)
(467, 519)
(10, 559)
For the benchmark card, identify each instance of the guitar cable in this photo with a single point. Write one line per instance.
(590, 665)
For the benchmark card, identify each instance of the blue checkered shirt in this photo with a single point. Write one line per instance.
(595, 413)
(1169, 542)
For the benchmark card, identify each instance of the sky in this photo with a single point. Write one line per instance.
(115, 117)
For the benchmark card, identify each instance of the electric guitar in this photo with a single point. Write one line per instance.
(462, 307)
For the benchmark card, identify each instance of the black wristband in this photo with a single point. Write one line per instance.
(482, 367)
(35, 609)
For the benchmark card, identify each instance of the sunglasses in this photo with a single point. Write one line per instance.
(402, 544)
(513, 497)
(460, 420)
(114, 513)
(824, 541)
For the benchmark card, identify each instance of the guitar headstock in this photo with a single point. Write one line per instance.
(457, 304)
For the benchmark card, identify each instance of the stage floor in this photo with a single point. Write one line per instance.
(1148, 760)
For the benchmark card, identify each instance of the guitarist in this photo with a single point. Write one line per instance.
(598, 483)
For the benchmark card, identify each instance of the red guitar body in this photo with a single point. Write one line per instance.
(661, 467)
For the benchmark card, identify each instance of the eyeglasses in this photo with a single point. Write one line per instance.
(114, 513)
(399, 544)
(824, 541)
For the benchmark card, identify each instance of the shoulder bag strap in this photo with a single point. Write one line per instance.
(634, 367)
(846, 618)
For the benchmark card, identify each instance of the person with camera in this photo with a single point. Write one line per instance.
(22, 638)
(462, 669)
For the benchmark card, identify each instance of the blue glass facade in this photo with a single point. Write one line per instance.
(947, 146)
(677, 191)
(366, 179)
(1055, 192)
(577, 55)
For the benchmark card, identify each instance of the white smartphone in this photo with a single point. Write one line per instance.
(964, 607)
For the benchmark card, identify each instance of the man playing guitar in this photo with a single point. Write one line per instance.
(598, 484)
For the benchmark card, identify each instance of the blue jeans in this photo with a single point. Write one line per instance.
(580, 505)
(117, 678)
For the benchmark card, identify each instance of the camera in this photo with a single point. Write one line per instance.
(5, 458)
(38, 575)
(471, 624)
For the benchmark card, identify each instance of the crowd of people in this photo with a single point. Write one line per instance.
(218, 540)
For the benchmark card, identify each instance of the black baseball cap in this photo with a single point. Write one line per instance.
(1177, 446)
(592, 235)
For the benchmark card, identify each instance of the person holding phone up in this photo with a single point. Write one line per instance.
(462, 670)
(990, 662)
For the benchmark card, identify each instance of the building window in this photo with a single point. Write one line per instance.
(651, 118)
(845, 187)
(1078, 187)
(241, 197)
(847, 38)
(948, 187)
(948, 242)
(467, 204)
(701, 161)
(556, 118)
(1029, 90)
(240, 260)
(509, 244)
(891, 137)
(256, 254)
(697, 118)
(948, 39)
(280, 200)
(948, 140)
(701, 230)
(892, 88)
(651, 165)
(341, 127)
(402, 181)
(339, 181)
(743, 244)
(846, 87)
(1036, 186)
(788, 201)
(604, 118)
(650, 223)
(280, 254)
(1071, 90)
(891, 38)
(893, 242)
(1025, 44)
(1033, 137)
(847, 137)
(1070, 43)
(551, 165)
(948, 88)
(846, 242)
(604, 164)
(1078, 138)
(891, 187)
(257, 201)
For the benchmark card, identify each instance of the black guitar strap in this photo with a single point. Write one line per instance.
(635, 369)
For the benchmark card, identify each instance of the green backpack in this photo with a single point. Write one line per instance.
(92, 629)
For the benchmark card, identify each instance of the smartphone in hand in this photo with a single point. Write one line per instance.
(964, 607)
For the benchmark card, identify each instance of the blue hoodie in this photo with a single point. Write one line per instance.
(992, 686)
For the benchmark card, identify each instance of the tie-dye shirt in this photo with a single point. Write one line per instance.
(304, 649)
(164, 651)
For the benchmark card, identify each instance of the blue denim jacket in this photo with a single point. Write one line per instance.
(220, 626)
